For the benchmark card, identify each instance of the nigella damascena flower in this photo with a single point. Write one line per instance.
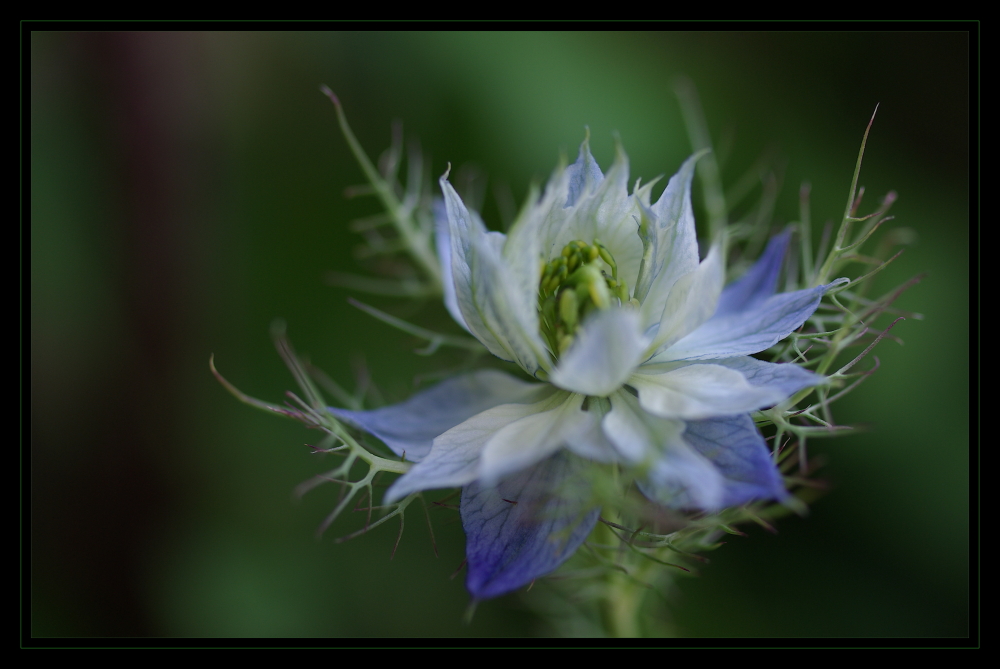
(641, 357)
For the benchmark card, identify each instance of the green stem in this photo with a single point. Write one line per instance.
(623, 594)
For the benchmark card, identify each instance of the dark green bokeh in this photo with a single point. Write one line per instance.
(187, 189)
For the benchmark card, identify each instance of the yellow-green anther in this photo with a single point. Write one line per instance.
(597, 286)
(568, 309)
(607, 257)
(594, 252)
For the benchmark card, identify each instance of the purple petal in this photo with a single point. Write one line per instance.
(750, 331)
(737, 449)
(758, 283)
(526, 526)
(411, 426)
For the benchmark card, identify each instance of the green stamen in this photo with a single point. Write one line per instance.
(571, 286)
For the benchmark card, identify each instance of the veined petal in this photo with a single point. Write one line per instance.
(526, 526)
(533, 438)
(737, 450)
(759, 282)
(608, 348)
(699, 391)
(454, 458)
(670, 249)
(691, 301)
(750, 331)
(411, 426)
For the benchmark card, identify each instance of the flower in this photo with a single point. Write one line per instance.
(641, 357)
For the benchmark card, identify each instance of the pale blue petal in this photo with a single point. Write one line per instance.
(442, 239)
(526, 526)
(533, 438)
(738, 451)
(750, 331)
(759, 282)
(411, 426)
(671, 246)
(607, 349)
(454, 458)
(584, 175)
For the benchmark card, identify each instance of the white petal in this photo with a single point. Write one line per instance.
(592, 443)
(607, 349)
(701, 391)
(454, 459)
(489, 296)
(671, 249)
(532, 438)
(692, 300)
(442, 239)
(637, 435)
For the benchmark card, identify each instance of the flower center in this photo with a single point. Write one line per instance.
(573, 285)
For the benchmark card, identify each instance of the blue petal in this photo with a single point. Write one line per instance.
(526, 526)
(758, 283)
(737, 449)
(786, 377)
(751, 331)
(741, 467)
(411, 426)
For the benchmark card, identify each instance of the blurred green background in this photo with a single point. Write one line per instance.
(188, 188)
